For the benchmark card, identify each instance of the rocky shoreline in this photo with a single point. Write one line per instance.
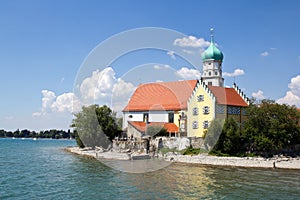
(203, 159)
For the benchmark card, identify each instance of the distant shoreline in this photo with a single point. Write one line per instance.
(246, 162)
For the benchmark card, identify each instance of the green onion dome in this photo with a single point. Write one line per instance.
(212, 52)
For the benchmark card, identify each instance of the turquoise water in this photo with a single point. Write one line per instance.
(42, 170)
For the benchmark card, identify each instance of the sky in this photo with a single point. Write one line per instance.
(56, 56)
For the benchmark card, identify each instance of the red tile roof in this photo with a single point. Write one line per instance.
(227, 96)
(161, 96)
(141, 126)
(298, 109)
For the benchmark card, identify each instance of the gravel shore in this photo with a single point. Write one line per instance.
(256, 162)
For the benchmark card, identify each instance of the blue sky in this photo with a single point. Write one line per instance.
(45, 44)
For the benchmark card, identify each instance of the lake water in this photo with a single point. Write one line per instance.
(42, 170)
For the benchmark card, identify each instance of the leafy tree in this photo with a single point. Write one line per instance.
(271, 127)
(95, 125)
(2, 133)
(213, 133)
(16, 133)
(229, 141)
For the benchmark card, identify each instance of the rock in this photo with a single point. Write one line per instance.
(183, 143)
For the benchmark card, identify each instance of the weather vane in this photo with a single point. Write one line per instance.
(211, 34)
(212, 31)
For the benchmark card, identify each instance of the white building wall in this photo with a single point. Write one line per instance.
(136, 116)
(154, 116)
(159, 116)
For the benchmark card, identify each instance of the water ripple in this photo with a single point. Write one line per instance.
(41, 170)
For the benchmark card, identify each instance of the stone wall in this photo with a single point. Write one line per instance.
(178, 143)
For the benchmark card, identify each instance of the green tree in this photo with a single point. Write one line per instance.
(271, 127)
(95, 126)
(2, 133)
(213, 134)
(229, 141)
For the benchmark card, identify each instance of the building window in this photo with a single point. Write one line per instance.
(146, 117)
(216, 73)
(195, 125)
(209, 73)
(205, 110)
(195, 111)
(220, 109)
(205, 124)
(209, 83)
(209, 63)
(233, 110)
(171, 117)
(200, 98)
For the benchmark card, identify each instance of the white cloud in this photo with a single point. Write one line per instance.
(292, 97)
(259, 95)
(66, 102)
(122, 91)
(264, 54)
(105, 89)
(187, 73)
(99, 85)
(189, 51)
(295, 85)
(9, 118)
(122, 88)
(171, 54)
(191, 41)
(237, 72)
(161, 66)
(47, 100)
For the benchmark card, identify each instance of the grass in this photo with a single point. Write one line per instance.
(194, 151)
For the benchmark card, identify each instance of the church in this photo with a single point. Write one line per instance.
(186, 108)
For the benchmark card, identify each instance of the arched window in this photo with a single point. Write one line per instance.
(209, 73)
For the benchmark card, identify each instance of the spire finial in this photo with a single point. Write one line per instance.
(211, 35)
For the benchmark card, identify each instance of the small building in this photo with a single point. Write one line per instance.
(186, 108)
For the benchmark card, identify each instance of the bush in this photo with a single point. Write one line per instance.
(191, 151)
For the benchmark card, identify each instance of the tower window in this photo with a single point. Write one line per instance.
(216, 73)
(209, 73)
(209, 63)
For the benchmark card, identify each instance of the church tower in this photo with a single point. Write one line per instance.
(212, 59)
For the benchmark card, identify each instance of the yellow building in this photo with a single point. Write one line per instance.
(185, 108)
